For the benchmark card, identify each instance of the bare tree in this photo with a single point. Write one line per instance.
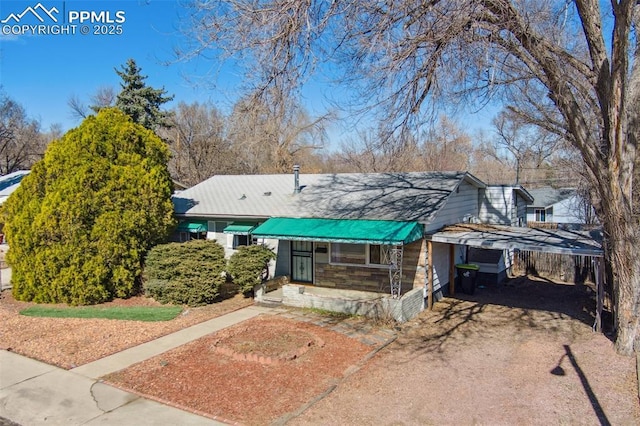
(198, 143)
(270, 131)
(21, 143)
(446, 147)
(104, 97)
(372, 152)
(528, 144)
(573, 67)
(79, 109)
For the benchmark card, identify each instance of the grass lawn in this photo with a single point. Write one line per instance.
(131, 313)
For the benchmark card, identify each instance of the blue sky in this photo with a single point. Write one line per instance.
(41, 72)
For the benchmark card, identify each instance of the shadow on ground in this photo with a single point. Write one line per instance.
(519, 305)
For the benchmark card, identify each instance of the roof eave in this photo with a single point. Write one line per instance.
(524, 194)
(468, 177)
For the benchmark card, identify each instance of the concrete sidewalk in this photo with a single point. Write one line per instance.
(34, 393)
(147, 350)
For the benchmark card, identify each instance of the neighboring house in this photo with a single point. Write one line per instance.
(10, 182)
(348, 231)
(558, 206)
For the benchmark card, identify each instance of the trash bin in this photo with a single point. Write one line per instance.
(467, 274)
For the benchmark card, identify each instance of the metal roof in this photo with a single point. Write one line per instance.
(378, 196)
(11, 181)
(533, 239)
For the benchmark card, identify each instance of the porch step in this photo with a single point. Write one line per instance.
(271, 301)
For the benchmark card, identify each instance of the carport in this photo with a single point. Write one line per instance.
(575, 243)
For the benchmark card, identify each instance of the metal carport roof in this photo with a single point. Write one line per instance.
(557, 241)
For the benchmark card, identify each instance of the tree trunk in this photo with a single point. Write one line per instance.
(622, 245)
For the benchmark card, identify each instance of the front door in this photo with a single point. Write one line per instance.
(302, 261)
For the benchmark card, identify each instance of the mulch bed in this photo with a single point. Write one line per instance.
(200, 378)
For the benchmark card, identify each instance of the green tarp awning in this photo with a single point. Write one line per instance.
(239, 228)
(354, 231)
(193, 226)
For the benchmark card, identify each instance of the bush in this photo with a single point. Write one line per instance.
(188, 273)
(80, 223)
(247, 266)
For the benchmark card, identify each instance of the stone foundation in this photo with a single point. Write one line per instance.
(401, 310)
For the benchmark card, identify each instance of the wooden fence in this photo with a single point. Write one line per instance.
(568, 268)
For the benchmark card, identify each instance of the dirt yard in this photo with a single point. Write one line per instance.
(521, 353)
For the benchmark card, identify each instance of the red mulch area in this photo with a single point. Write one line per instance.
(199, 377)
(70, 342)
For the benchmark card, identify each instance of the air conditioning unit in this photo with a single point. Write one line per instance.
(469, 218)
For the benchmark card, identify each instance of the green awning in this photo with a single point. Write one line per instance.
(192, 226)
(239, 228)
(353, 231)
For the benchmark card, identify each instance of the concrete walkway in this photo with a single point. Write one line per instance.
(34, 393)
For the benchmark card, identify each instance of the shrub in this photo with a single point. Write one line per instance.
(247, 266)
(188, 273)
(81, 222)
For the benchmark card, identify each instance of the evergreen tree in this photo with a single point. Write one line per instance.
(82, 221)
(139, 101)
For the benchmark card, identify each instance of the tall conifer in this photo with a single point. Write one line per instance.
(141, 102)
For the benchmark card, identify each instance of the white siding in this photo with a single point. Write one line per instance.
(521, 211)
(568, 211)
(220, 237)
(441, 263)
(565, 211)
(497, 206)
(459, 207)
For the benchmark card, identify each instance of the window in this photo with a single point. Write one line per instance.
(540, 215)
(217, 226)
(348, 253)
(360, 254)
(240, 240)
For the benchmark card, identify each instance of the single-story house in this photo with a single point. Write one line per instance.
(352, 231)
(558, 206)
